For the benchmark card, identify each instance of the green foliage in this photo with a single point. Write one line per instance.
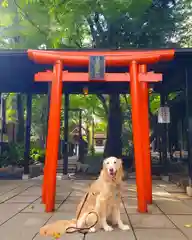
(127, 144)
(100, 126)
(32, 23)
(39, 118)
(4, 3)
(89, 103)
(13, 156)
(154, 103)
(92, 107)
(4, 159)
(11, 105)
(89, 23)
(19, 28)
(172, 96)
(37, 154)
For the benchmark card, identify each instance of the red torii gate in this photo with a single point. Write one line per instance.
(138, 78)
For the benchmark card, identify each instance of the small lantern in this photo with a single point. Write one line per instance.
(85, 91)
(164, 114)
(150, 90)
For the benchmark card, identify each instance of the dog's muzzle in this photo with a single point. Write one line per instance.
(112, 172)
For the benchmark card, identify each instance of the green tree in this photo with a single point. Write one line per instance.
(99, 24)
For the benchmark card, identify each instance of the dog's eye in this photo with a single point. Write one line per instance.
(115, 162)
(107, 162)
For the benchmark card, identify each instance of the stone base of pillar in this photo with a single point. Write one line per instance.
(189, 191)
(25, 177)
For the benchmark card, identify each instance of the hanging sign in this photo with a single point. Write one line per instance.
(97, 68)
(164, 115)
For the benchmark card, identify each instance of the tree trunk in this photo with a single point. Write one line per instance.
(113, 146)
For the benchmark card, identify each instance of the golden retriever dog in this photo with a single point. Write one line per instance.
(101, 203)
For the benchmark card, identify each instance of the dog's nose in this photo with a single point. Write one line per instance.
(111, 170)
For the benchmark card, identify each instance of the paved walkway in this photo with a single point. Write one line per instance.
(22, 214)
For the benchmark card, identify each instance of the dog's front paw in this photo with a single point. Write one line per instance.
(108, 228)
(92, 230)
(124, 227)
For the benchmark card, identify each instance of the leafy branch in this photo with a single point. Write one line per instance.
(104, 103)
(26, 16)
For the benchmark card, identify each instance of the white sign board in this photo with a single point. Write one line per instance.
(164, 115)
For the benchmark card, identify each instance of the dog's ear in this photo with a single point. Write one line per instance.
(104, 170)
(120, 172)
(103, 165)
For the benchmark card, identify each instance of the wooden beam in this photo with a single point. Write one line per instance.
(48, 76)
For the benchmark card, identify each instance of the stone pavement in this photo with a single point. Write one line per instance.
(22, 214)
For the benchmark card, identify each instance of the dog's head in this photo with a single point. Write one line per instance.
(113, 168)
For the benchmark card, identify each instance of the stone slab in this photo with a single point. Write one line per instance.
(180, 221)
(37, 208)
(68, 207)
(7, 211)
(73, 236)
(25, 219)
(73, 200)
(12, 193)
(174, 189)
(132, 208)
(158, 234)
(23, 226)
(150, 221)
(32, 191)
(22, 199)
(188, 202)
(114, 235)
(174, 207)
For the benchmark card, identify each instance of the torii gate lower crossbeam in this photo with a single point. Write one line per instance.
(138, 78)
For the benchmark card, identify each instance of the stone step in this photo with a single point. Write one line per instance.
(72, 170)
(71, 165)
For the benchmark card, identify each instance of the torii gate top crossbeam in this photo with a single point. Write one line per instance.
(118, 58)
